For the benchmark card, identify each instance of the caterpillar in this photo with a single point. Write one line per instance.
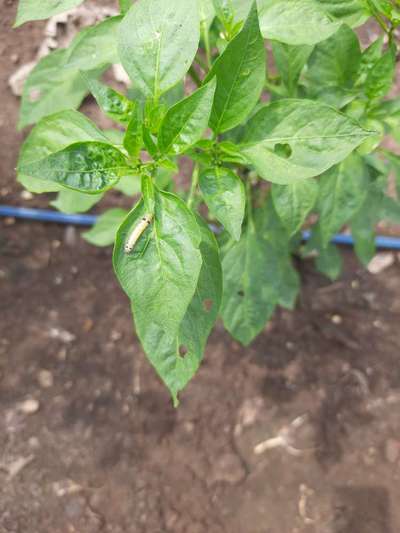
(138, 232)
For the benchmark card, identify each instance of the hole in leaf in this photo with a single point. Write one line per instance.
(207, 304)
(183, 350)
(240, 293)
(283, 150)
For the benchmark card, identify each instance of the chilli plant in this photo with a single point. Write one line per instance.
(278, 112)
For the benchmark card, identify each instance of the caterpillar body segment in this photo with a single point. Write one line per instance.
(137, 232)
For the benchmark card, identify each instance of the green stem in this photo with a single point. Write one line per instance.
(249, 201)
(193, 187)
(195, 77)
(206, 38)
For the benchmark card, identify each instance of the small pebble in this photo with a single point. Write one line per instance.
(337, 319)
(381, 262)
(29, 406)
(45, 379)
(26, 195)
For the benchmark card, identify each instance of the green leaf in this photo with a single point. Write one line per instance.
(255, 270)
(329, 262)
(240, 73)
(90, 167)
(42, 9)
(224, 11)
(113, 104)
(161, 274)
(368, 59)
(177, 358)
(133, 138)
(50, 135)
(105, 230)
(50, 88)
(148, 193)
(70, 202)
(294, 139)
(158, 41)
(290, 61)
(185, 122)
(296, 22)
(125, 5)
(380, 78)
(129, 185)
(363, 225)
(335, 61)
(352, 12)
(225, 197)
(94, 46)
(390, 210)
(342, 192)
(294, 202)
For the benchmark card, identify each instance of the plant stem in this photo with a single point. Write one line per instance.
(206, 38)
(193, 187)
(249, 205)
(195, 77)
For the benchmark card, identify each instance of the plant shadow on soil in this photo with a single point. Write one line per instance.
(89, 441)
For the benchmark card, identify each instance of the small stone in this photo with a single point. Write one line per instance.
(337, 319)
(26, 195)
(45, 379)
(381, 262)
(9, 221)
(392, 450)
(70, 236)
(33, 442)
(30, 406)
(62, 334)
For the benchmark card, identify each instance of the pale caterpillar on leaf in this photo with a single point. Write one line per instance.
(137, 232)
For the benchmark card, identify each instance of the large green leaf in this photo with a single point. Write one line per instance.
(295, 139)
(296, 21)
(240, 73)
(254, 271)
(105, 230)
(352, 12)
(294, 202)
(335, 61)
(50, 135)
(158, 41)
(342, 192)
(177, 358)
(90, 167)
(94, 46)
(329, 262)
(185, 122)
(380, 77)
(70, 202)
(50, 88)
(42, 9)
(115, 105)
(160, 275)
(290, 61)
(225, 197)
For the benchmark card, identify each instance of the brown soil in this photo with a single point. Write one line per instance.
(104, 451)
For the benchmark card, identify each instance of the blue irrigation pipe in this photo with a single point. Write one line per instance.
(46, 215)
